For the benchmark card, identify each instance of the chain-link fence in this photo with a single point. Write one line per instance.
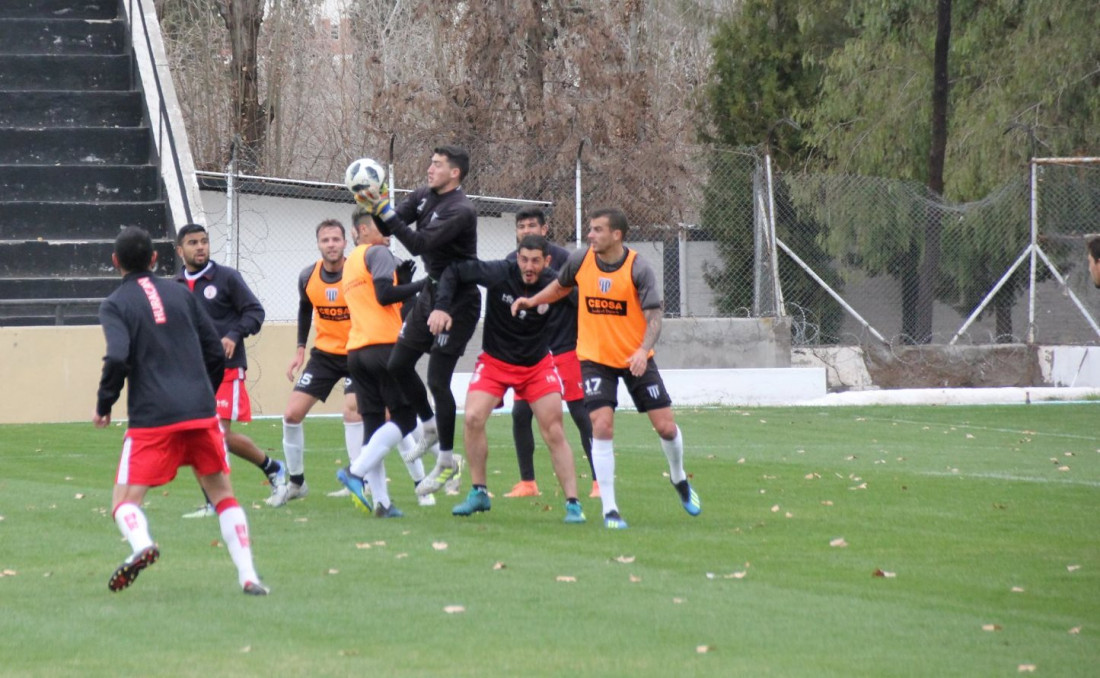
(850, 259)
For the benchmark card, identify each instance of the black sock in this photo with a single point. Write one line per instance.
(482, 488)
(270, 466)
(298, 479)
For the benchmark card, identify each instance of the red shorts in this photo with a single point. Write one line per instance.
(569, 371)
(232, 397)
(530, 383)
(151, 456)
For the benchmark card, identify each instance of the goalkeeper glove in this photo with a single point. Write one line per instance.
(405, 272)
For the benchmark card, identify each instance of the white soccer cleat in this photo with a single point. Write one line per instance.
(430, 437)
(452, 486)
(284, 493)
(439, 476)
(342, 492)
(204, 511)
(426, 500)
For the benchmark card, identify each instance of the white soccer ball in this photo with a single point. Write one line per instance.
(365, 175)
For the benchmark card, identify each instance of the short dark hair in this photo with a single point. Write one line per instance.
(1093, 244)
(188, 229)
(332, 223)
(359, 213)
(616, 219)
(531, 213)
(134, 249)
(535, 242)
(457, 157)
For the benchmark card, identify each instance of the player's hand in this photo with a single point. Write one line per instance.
(377, 204)
(439, 321)
(521, 304)
(296, 364)
(405, 271)
(101, 421)
(637, 362)
(229, 346)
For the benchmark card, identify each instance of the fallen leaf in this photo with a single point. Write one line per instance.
(439, 545)
(703, 649)
(399, 556)
(301, 520)
(216, 544)
(1073, 568)
(775, 508)
(634, 579)
(884, 573)
(788, 514)
(498, 565)
(8, 573)
(838, 543)
(362, 545)
(850, 457)
(763, 421)
(379, 543)
(1075, 630)
(1063, 468)
(333, 571)
(1026, 668)
(735, 575)
(677, 601)
(246, 648)
(348, 653)
(826, 503)
(78, 496)
(1017, 589)
(454, 609)
(969, 436)
(625, 559)
(861, 486)
(741, 460)
(991, 627)
(566, 578)
(812, 476)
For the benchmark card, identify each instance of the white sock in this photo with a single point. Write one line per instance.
(235, 534)
(674, 452)
(416, 468)
(133, 526)
(294, 444)
(376, 478)
(353, 438)
(381, 442)
(445, 457)
(603, 459)
(428, 424)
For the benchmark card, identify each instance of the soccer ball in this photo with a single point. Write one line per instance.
(365, 176)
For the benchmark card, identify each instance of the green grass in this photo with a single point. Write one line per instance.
(962, 504)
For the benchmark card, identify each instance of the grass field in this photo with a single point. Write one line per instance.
(984, 521)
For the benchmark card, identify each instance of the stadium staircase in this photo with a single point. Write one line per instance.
(78, 160)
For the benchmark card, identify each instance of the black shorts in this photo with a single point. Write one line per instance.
(464, 316)
(323, 371)
(375, 388)
(601, 386)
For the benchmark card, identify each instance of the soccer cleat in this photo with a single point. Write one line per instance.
(524, 488)
(278, 477)
(688, 498)
(278, 495)
(296, 491)
(390, 511)
(452, 485)
(204, 511)
(357, 489)
(613, 521)
(426, 500)
(476, 501)
(255, 588)
(430, 437)
(130, 568)
(439, 477)
(595, 493)
(342, 492)
(573, 512)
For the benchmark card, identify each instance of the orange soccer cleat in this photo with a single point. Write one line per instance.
(524, 488)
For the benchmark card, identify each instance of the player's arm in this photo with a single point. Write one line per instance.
(476, 272)
(382, 266)
(450, 226)
(305, 321)
(645, 282)
(115, 363)
(250, 310)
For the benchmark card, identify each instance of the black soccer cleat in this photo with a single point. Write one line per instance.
(130, 568)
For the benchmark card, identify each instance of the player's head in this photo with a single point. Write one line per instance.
(365, 230)
(133, 250)
(331, 240)
(193, 246)
(448, 167)
(1093, 243)
(530, 221)
(533, 255)
(606, 229)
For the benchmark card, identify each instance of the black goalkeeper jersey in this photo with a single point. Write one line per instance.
(562, 325)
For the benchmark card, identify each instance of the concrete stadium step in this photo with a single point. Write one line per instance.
(53, 108)
(84, 259)
(59, 9)
(21, 313)
(75, 145)
(106, 183)
(80, 220)
(76, 72)
(62, 36)
(29, 289)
